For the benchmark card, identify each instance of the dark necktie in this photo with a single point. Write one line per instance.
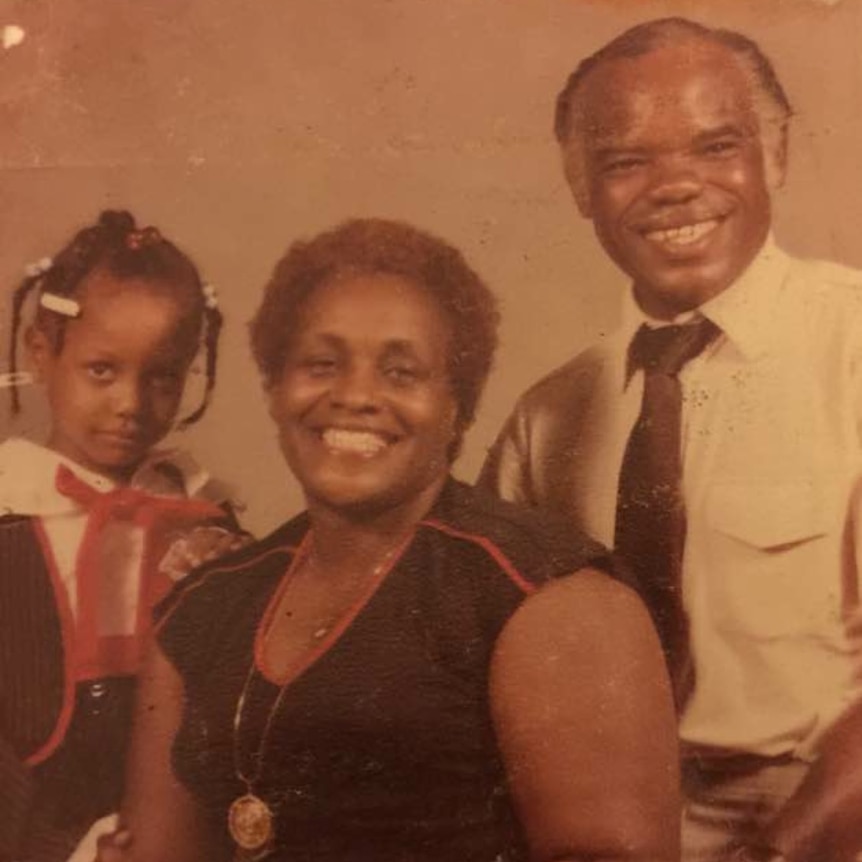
(650, 522)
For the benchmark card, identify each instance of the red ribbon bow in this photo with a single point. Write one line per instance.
(94, 654)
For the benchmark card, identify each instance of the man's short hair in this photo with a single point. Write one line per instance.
(772, 105)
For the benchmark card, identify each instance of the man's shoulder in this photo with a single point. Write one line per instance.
(823, 302)
(574, 379)
(826, 280)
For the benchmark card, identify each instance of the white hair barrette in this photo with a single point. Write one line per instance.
(64, 305)
(15, 378)
(40, 267)
(210, 296)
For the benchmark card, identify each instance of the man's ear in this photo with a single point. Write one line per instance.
(775, 145)
(39, 351)
(573, 168)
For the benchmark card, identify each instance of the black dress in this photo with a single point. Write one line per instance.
(381, 747)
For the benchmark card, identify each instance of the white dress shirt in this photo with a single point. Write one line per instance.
(771, 461)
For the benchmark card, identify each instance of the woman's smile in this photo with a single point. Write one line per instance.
(364, 404)
(365, 443)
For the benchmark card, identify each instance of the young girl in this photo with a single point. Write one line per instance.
(95, 524)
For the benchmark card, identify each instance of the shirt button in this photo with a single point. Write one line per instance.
(98, 690)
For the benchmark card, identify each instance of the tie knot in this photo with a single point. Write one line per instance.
(666, 349)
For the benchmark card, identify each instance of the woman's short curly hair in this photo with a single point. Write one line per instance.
(369, 246)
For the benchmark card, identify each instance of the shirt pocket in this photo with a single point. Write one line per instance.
(773, 558)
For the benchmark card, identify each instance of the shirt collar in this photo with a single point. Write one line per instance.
(741, 311)
(634, 317)
(28, 474)
(744, 310)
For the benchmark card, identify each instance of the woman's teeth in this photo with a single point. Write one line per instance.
(359, 442)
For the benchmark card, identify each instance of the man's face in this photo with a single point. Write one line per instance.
(675, 181)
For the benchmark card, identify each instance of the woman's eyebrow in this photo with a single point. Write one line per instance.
(399, 345)
(329, 338)
(391, 345)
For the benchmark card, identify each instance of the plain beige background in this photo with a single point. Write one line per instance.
(237, 126)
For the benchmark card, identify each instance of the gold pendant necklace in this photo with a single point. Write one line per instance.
(250, 820)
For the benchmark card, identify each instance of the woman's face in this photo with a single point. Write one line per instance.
(364, 406)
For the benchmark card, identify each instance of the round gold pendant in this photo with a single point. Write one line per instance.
(249, 820)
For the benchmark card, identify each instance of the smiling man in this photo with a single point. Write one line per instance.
(714, 439)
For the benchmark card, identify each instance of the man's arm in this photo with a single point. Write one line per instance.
(822, 821)
(506, 470)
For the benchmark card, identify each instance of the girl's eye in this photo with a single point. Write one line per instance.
(101, 372)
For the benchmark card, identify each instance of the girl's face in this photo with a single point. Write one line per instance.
(115, 386)
(364, 407)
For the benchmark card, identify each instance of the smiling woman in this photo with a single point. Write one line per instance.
(362, 419)
(409, 670)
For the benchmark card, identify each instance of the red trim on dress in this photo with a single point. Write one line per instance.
(491, 549)
(332, 637)
(281, 549)
(67, 635)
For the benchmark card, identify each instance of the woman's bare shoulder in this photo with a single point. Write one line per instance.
(581, 604)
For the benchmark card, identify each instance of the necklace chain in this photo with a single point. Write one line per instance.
(250, 819)
(302, 558)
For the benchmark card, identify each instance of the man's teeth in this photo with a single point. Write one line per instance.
(361, 442)
(684, 235)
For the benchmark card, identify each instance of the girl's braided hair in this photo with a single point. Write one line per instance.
(117, 245)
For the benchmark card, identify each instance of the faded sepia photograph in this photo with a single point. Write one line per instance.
(430, 431)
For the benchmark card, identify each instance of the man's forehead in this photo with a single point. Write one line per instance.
(689, 86)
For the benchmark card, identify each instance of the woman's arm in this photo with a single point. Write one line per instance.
(161, 816)
(584, 718)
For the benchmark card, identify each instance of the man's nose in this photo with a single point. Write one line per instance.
(675, 180)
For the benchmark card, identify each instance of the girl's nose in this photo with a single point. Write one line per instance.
(129, 397)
